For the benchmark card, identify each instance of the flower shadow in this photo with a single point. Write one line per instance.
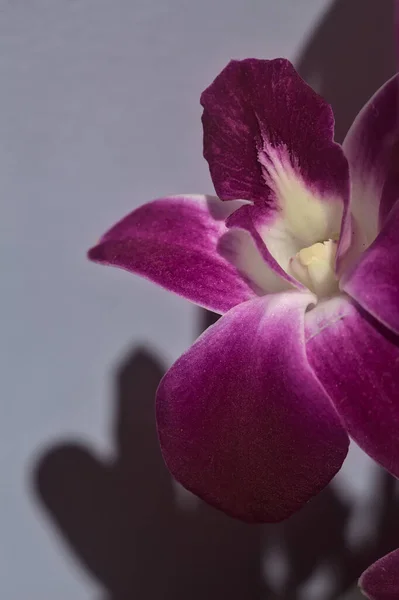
(349, 55)
(120, 517)
(350, 565)
(121, 520)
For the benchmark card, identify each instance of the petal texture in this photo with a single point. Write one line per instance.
(278, 240)
(357, 362)
(374, 281)
(252, 219)
(246, 251)
(381, 580)
(369, 147)
(173, 242)
(269, 137)
(242, 420)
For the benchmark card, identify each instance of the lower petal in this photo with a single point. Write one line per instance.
(357, 362)
(374, 281)
(381, 580)
(242, 420)
(173, 242)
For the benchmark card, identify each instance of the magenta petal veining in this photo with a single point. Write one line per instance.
(374, 281)
(173, 242)
(260, 118)
(242, 420)
(357, 362)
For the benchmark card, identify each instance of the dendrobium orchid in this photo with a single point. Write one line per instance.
(381, 580)
(300, 253)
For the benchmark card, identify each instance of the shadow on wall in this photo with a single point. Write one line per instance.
(120, 517)
(121, 520)
(350, 54)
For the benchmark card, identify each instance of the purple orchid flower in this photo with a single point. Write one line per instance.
(381, 580)
(300, 253)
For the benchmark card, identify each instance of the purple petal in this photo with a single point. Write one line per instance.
(369, 148)
(254, 220)
(381, 580)
(263, 125)
(173, 242)
(396, 9)
(243, 422)
(357, 362)
(279, 237)
(248, 254)
(374, 281)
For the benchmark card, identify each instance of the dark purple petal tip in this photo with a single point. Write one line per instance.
(256, 107)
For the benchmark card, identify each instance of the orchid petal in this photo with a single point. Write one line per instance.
(357, 362)
(257, 267)
(276, 244)
(173, 242)
(260, 114)
(268, 137)
(369, 147)
(250, 218)
(381, 580)
(374, 281)
(243, 423)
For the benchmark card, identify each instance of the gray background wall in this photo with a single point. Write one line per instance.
(99, 112)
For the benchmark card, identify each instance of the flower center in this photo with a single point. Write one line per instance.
(314, 267)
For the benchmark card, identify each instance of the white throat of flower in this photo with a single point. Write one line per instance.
(314, 267)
